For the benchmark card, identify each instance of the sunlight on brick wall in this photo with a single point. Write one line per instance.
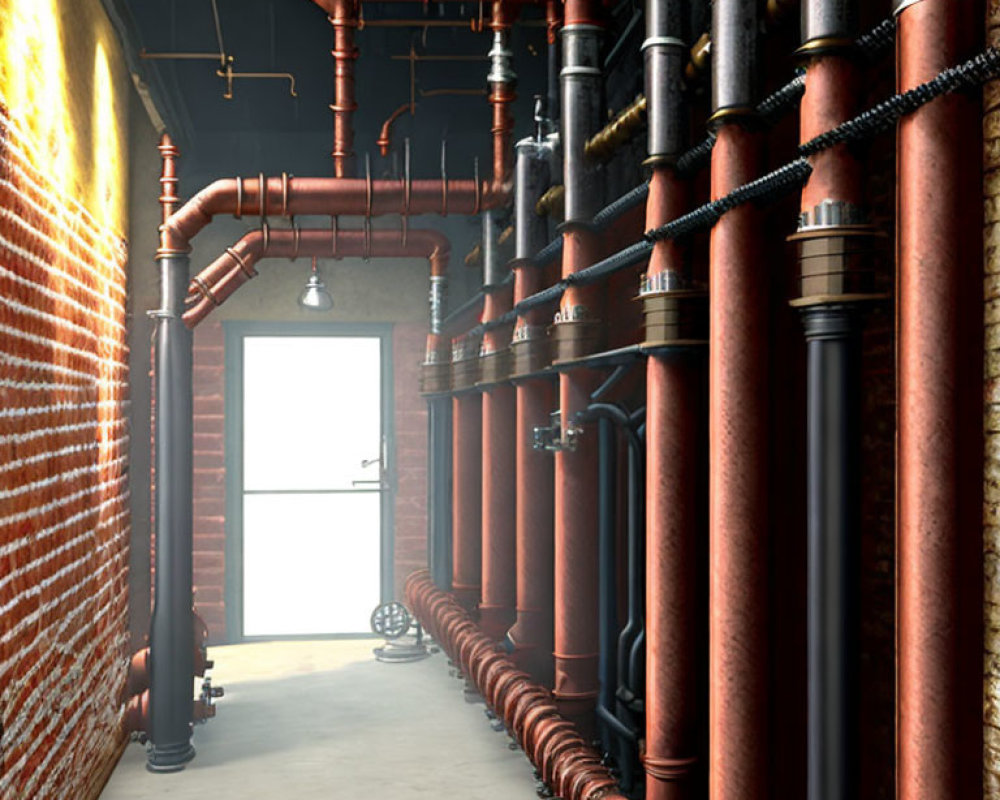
(64, 521)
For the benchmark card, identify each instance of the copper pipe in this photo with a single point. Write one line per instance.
(343, 16)
(673, 518)
(168, 176)
(498, 469)
(991, 508)
(939, 635)
(216, 283)
(737, 487)
(289, 196)
(532, 633)
(466, 493)
(384, 140)
(570, 767)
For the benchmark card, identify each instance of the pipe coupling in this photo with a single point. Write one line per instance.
(501, 60)
(464, 362)
(438, 296)
(836, 256)
(734, 57)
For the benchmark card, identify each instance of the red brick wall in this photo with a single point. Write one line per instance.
(408, 345)
(410, 423)
(209, 477)
(64, 516)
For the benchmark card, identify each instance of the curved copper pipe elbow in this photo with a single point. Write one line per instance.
(384, 140)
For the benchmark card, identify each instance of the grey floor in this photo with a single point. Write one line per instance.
(325, 720)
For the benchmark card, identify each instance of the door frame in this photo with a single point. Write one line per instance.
(235, 332)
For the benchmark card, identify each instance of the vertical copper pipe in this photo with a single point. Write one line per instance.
(991, 508)
(575, 596)
(672, 519)
(737, 484)
(344, 19)
(499, 587)
(939, 637)
(532, 633)
(466, 493)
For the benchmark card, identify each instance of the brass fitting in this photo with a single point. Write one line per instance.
(623, 127)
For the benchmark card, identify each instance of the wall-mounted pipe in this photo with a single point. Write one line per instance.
(675, 312)
(531, 635)
(939, 455)
(832, 239)
(172, 630)
(576, 332)
(738, 441)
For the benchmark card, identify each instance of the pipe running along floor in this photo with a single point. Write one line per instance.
(325, 720)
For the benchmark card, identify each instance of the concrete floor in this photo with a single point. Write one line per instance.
(325, 720)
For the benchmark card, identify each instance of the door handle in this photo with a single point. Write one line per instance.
(367, 462)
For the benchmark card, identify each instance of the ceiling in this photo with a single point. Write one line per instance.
(264, 129)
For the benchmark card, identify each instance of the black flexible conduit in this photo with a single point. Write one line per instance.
(973, 72)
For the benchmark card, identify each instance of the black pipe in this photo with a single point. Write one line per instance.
(171, 692)
(439, 491)
(636, 560)
(607, 583)
(833, 352)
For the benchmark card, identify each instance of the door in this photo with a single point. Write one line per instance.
(312, 466)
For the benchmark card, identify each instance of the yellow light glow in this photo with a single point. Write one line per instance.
(63, 80)
(106, 180)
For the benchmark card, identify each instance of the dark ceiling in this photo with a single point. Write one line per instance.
(263, 129)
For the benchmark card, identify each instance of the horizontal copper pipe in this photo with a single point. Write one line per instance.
(288, 197)
(564, 759)
(214, 284)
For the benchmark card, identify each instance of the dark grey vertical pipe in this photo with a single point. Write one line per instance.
(172, 635)
(439, 491)
(833, 344)
(582, 103)
(533, 177)
(607, 588)
(734, 55)
(552, 87)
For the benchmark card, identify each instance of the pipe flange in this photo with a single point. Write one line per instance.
(663, 41)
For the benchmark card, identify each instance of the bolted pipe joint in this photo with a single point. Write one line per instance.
(501, 59)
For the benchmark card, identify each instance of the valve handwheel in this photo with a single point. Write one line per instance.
(390, 620)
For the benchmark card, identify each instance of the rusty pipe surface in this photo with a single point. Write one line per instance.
(498, 471)
(343, 16)
(217, 282)
(673, 759)
(466, 498)
(566, 762)
(738, 726)
(939, 636)
(991, 531)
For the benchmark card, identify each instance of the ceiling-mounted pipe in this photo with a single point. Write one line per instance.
(738, 442)
(217, 282)
(939, 444)
(344, 19)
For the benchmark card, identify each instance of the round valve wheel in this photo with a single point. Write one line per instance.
(390, 620)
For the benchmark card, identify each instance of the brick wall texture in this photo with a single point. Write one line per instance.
(410, 500)
(64, 521)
